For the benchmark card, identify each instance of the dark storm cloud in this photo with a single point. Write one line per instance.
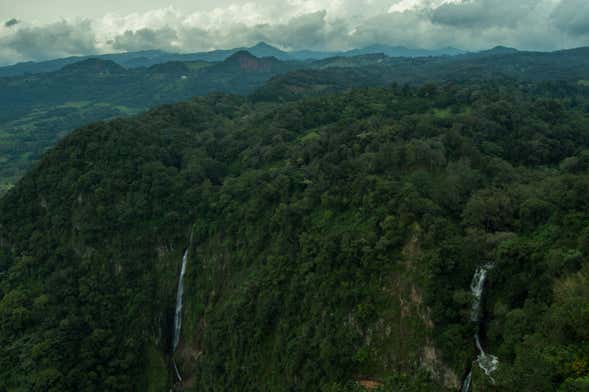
(145, 39)
(11, 22)
(54, 40)
(572, 16)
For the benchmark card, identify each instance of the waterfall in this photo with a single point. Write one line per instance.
(487, 362)
(178, 376)
(179, 294)
(476, 288)
(466, 384)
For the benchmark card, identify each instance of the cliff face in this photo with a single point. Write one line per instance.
(390, 328)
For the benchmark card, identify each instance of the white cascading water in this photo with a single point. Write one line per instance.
(476, 288)
(179, 295)
(178, 376)
(487, 362)
(466, 384)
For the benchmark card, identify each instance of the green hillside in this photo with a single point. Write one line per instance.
(334, 241)
(37, 110)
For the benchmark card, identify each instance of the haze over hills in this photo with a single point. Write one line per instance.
(36, 110)
(152, 57)
(498, 64)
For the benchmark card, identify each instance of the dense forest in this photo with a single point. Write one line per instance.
(37, 110)
(331, 242)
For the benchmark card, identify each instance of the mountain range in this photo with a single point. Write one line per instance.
(36, 110)
(151, 57)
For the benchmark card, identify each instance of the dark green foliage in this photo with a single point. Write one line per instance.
(337, 74)
(36, 110)
(334, 239)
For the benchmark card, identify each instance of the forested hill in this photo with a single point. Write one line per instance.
(334, 241)
(498, 64)
(37, 110)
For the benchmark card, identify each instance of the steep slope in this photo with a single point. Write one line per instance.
(101, 312)
(334, 243)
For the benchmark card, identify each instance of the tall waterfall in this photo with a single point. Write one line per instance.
(466, 383)
(487, 362)
(179, 295)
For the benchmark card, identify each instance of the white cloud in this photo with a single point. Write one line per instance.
(411, 5)
(59, 39)
(315, 24)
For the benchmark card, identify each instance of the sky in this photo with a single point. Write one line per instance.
(41, 29)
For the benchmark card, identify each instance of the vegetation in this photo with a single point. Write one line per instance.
(25, 139)
(36, 110)
(334, 241)
(498, 65)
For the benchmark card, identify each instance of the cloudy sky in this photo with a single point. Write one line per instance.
(40, 29)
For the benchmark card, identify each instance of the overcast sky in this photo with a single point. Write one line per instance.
(42, 29)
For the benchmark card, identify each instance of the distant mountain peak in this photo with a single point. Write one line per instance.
(263, 45)
(500, 49)
(248, 62)
(239, 55)
(263, 49)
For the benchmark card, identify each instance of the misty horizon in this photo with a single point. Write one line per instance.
(39, 32)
